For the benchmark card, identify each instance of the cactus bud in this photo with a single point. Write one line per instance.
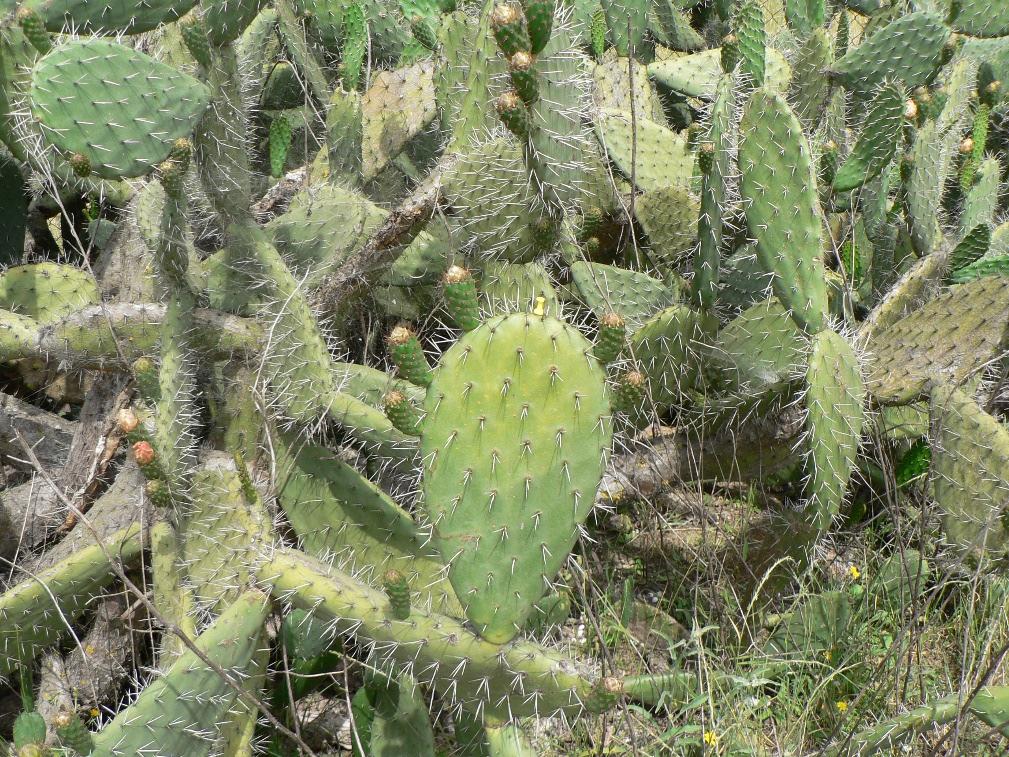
(157, 492)
(398, 592)
(523, 77)
(510, 29)
(127, 420)
(630, 392)
(604, 694)
(401, 413)
(730, 53)
(29, 728)
(423, 32)
(539, 19)
(80, 164)
(461, 299)
(408, 355)
(34, 29)
(610, 341)
(706, 156)
(143, 453)
(196, 39)
(911, 109)
(514, 114)
(72, 733)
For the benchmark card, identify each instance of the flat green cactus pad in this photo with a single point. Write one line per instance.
(47, 291)
(835, 415)
(514, 445)
(668, 349)
(183, 712)
(981, 19)
(124, 16)
(397, 106)
(697, 75)
(632, 295)
(34, 613)
(947, 340)
(117, 107)
(970, 472)
(908, 49)
(760, 347)
(782, 210)
(661, 158)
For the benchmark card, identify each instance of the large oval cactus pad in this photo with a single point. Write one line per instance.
(514, 445)
(119, 108)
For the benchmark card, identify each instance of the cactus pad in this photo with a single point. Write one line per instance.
(119, 108)
(514, 445)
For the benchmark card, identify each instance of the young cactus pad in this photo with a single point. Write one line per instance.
(514, 445)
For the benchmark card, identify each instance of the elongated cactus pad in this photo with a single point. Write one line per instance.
(878, 141)
(514, 445)
(947, 340)
(782, 210)
(970, 472)
(119, 108)
(835, 415)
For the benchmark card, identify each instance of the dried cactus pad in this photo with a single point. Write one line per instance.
(514, 445)
(119, 108)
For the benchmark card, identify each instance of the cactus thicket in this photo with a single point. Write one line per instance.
(561, 227)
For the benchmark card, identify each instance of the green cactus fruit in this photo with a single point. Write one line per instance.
(540, 20)
(514, 114)
(408, 355)
(34, 29)
(461, 298)
(947, 340)
(73, 734)
(668, 349)
(782, 209)
(627, 22)
(509, 25)
(980, 19)
(610, 341)
(729, 55)
(988, 266)
(878, 141)
(605, 694)
(597, 34)
(657, 157)
(634, 296)
(196, 39)
(29, 728)
(86, 17)
(114, 115)
(629, 394)
(909, 49)
(523, 77)
(398, 592)
(750, 29)
(280, 143)
(516, 388)
(401, 412)
(35, 612)
(423, 32)
(835, 415)
(175, 712)
(970, 473)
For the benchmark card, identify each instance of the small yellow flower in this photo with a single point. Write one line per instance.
(854, 572)
(93, 712)
(710, 738)
(827, 655)
(842, 706)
